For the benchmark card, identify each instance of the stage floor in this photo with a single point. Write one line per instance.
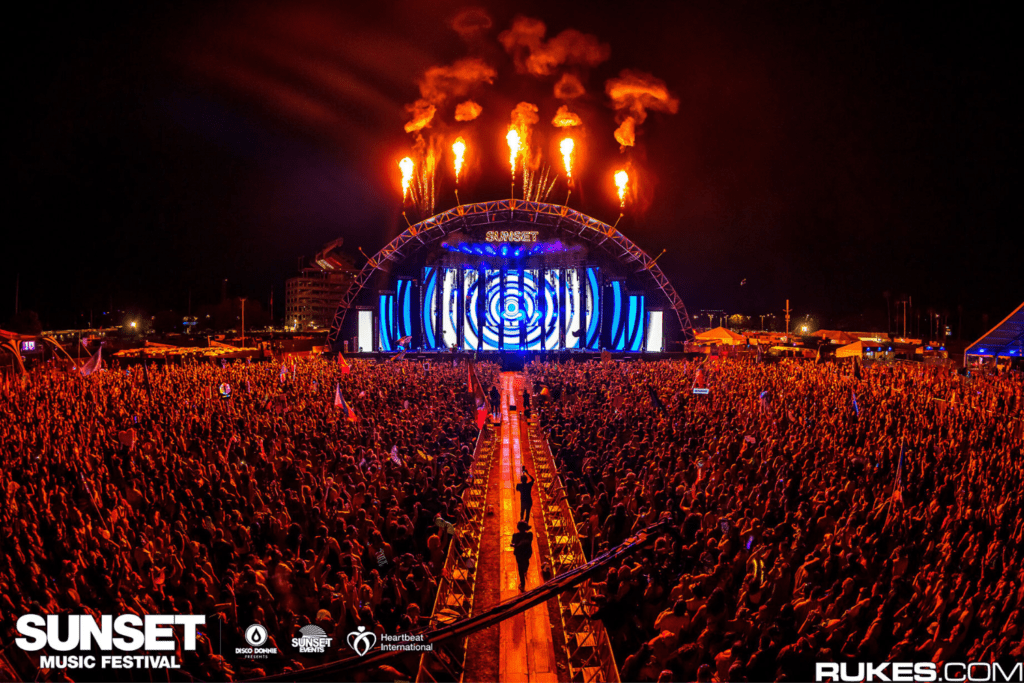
(526, 645)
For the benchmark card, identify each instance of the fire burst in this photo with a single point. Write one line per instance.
(459, 149)
(513, 149)
(406, 165)
(566, 148)
(621, 180)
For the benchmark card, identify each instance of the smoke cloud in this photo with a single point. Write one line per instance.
(565, 118)
(524, 116)
(531, 54)
(633, 94)
(471, 23)
(467, 111)
(569, 87)
(455, 80)
(625, 134)
(422, 114)
(439, 83)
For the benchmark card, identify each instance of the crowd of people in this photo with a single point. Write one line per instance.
(820, 513)
(817, 514)
(238, 491)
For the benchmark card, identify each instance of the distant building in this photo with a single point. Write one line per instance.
(311, 298)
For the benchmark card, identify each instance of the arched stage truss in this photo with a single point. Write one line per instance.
(503, 214)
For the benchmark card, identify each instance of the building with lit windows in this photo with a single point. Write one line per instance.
(312, 296)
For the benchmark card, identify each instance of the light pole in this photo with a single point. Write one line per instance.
(242, 299)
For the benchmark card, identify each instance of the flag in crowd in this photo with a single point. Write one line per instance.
(479, 397)
(617, 400)
(897, 490)
(343, 364)
(398, 356)
(405, 341)
(339, 402)
(93, 364)
(853, 398)
(700, 475)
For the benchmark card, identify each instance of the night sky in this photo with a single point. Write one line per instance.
(824, 152)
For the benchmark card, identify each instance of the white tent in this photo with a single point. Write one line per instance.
(857, 348)
(720, 335)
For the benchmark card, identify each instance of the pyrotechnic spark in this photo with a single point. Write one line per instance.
(512, 137)
(426, 179)
(459, 148)
(406, 165)
(621, 180)
(566, 148)
(545, 187)
(424, 168)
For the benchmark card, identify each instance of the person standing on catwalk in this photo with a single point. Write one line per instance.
(522, 548)
(495, 400)
(525, 488)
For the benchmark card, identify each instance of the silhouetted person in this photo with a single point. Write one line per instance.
(522, 548)
(526, 404)
(525, 488)
(495, 398)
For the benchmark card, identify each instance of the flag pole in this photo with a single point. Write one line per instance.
(899, 471)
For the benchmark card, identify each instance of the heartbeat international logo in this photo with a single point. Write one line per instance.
(362, 641)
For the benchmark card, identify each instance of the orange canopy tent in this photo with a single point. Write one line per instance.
(720, 335)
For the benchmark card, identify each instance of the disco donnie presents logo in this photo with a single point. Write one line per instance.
(361, 640)
(313, 640)
(257, 636)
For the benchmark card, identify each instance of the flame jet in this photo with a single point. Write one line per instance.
(621, 181)
(514, 142)
(566, 147)
(459, 149)
(406, 165)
